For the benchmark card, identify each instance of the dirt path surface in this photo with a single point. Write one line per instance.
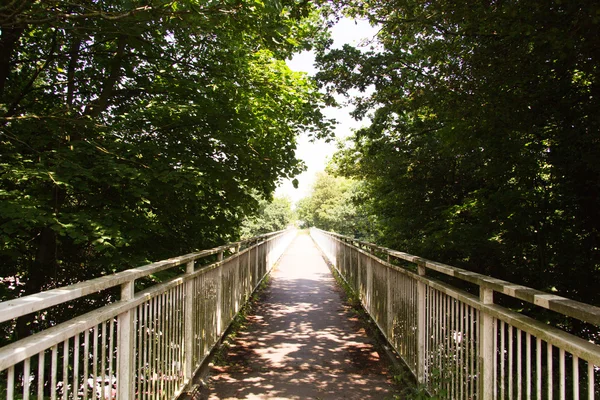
(301, 341)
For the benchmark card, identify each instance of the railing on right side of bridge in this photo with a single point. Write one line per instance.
(147, 345)
(458, 345)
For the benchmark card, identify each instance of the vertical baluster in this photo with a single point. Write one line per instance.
(440, 347)
(166, 320)
(458, 339)
(53, 379)
(467, 359)
(453, 346)
(65, 377)
(575, 377)
(463, 350)
(435, 340)
(219, 287)
(561, 367)
(198, 334)
(157, 359)
(591, 387)
(75, 365)
(510, 362)
(126, 346)
(519, 364)
(427, 361)
(103, 361)
(473, 326)
(487, 351)
(10, 383)
(529, 374)
(495, 358)
(448, 354)
(140, 349)
(502, 353)
(538, 353)
(478, 364)
(176, 322)
(40, 388)
(160, 351)
(26, 378)
(549, 368)
(86, 352)
(420, 339)
(180, 336)
(149, 343)
(95, 362)
(169, 317)
(152, 337)
(111, 345)
(406, 321)
(390, 315)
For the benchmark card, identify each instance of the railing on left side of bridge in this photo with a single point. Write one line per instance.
(462, 346)
(147, 345)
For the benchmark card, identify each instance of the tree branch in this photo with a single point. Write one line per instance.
(9, 38)
(73, 57)
(38, 71)
(107, 89)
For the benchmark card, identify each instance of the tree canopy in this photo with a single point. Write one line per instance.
(134, 131)
(269, 216)
(337, 204)
(484, 140)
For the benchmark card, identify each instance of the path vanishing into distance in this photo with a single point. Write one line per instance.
(301, 341)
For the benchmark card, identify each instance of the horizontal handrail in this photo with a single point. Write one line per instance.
(460, 345)
(15, 308)
(151, 342)
(571, 308)
(575, 345)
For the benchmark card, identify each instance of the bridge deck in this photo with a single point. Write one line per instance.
(302, 342)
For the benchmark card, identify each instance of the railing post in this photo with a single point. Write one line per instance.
(369, 284)
(421, 328)
(486, 347)
(390, 305)
(268, 243)
(219, 294)
(256, 269)
(358, 275)
(236, 279)
(189, 325)
(126, 343)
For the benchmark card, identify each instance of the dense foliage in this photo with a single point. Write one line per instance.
(133, 131)
(337, 204)
(269, 216)
(485, 137)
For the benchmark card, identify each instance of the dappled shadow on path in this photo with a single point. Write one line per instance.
(301, 342)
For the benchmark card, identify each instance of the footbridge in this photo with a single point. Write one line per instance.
(445, 323)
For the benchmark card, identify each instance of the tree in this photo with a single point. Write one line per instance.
(336, 204)
(133, 133)
(483, 133)
(270, 216)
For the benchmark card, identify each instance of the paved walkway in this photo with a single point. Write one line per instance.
(302, 342)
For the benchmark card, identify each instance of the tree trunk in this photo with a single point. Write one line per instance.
(9, 38)
(39, 274)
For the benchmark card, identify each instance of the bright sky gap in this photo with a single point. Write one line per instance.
(316, 154)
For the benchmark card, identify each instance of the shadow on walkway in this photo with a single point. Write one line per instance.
(301, 341)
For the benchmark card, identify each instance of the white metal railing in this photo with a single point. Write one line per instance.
(147, 345)
(460, 346)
